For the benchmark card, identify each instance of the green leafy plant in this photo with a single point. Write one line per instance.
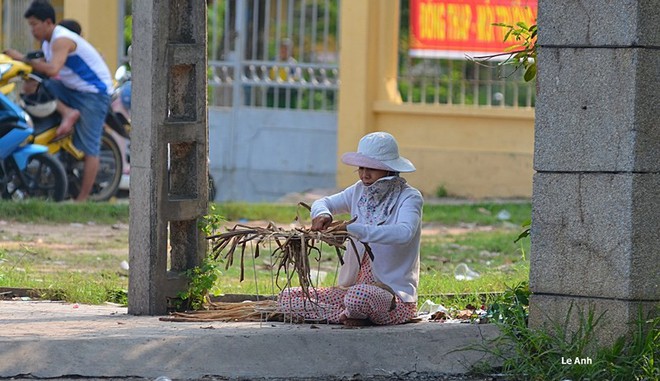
(512, 307)
(523, 53)
(119, 296)
(212, 222)
(527, 226)
(441, 192)
(525, 353)
(201, 281)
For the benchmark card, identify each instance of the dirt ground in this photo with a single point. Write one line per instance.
(76, 238)
(77, 247)
(90, 247)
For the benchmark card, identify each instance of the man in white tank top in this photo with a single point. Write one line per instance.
(79, 79)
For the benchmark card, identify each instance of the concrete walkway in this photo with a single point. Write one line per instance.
(54, 340)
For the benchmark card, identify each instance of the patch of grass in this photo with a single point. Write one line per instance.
(91, 274)
(39, 212)
(281, 213)
(483, 251)
(433, 284)
(42, 212)
(539, 353)
(479, 213)
(69, 286)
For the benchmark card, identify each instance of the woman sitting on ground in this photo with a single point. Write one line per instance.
(389, 217)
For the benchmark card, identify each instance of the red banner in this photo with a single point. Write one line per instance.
(460, 28)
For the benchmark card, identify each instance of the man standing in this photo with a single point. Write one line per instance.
(78, 78)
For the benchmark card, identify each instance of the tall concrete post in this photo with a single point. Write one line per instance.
(169, 150)
(596, 194)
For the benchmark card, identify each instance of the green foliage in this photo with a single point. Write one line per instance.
(527, 226)
(542, 353)
(523, 54)
(40, 211)
(202, 279)
(441, 192)
(128, 30)
(201, 282)
(119, 296)
(317, 100)
(512, 307)
(215, 25)
(212, 222)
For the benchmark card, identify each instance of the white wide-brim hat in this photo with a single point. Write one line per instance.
(378, 150)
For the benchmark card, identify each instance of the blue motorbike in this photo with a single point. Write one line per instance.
(26, 170)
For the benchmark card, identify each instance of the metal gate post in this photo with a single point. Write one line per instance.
(169, 150)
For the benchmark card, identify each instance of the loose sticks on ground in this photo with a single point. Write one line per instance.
(265, 310)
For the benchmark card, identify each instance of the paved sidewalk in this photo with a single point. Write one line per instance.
(40, 339)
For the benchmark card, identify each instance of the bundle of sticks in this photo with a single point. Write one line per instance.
(293, 248)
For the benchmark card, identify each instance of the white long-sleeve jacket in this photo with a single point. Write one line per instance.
(395, 243)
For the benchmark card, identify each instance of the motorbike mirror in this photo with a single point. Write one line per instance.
(34, 55)
(121, 73)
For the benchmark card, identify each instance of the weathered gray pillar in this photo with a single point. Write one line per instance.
(169, 126)
(596, 198)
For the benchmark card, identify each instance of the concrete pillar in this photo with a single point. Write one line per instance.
(169, 126)
(596, 194)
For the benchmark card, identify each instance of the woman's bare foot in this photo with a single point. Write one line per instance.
(66, 125)
(353, 322)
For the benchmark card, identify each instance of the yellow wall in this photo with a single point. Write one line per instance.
(471, 151)
(99, 20)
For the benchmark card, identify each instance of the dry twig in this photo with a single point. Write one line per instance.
(265, 310)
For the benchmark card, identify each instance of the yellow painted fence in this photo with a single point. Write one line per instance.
(470, 151)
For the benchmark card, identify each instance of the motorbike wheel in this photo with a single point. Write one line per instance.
(108, 176)
(44, 177)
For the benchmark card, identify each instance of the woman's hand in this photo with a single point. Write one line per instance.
(321, 222)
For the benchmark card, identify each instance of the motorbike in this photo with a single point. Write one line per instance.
(26, 170)
(46, 121)
(121, 116)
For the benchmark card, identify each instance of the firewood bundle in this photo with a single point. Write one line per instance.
(293, 248)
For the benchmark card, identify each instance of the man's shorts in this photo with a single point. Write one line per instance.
(93, 108)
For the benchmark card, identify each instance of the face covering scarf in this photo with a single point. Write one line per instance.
(378, 199)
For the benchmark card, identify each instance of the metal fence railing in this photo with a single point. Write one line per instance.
(15, 29)
(287, 54)
(465, 82)
(274, 53)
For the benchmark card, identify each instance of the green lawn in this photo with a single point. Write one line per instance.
(471, 234)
